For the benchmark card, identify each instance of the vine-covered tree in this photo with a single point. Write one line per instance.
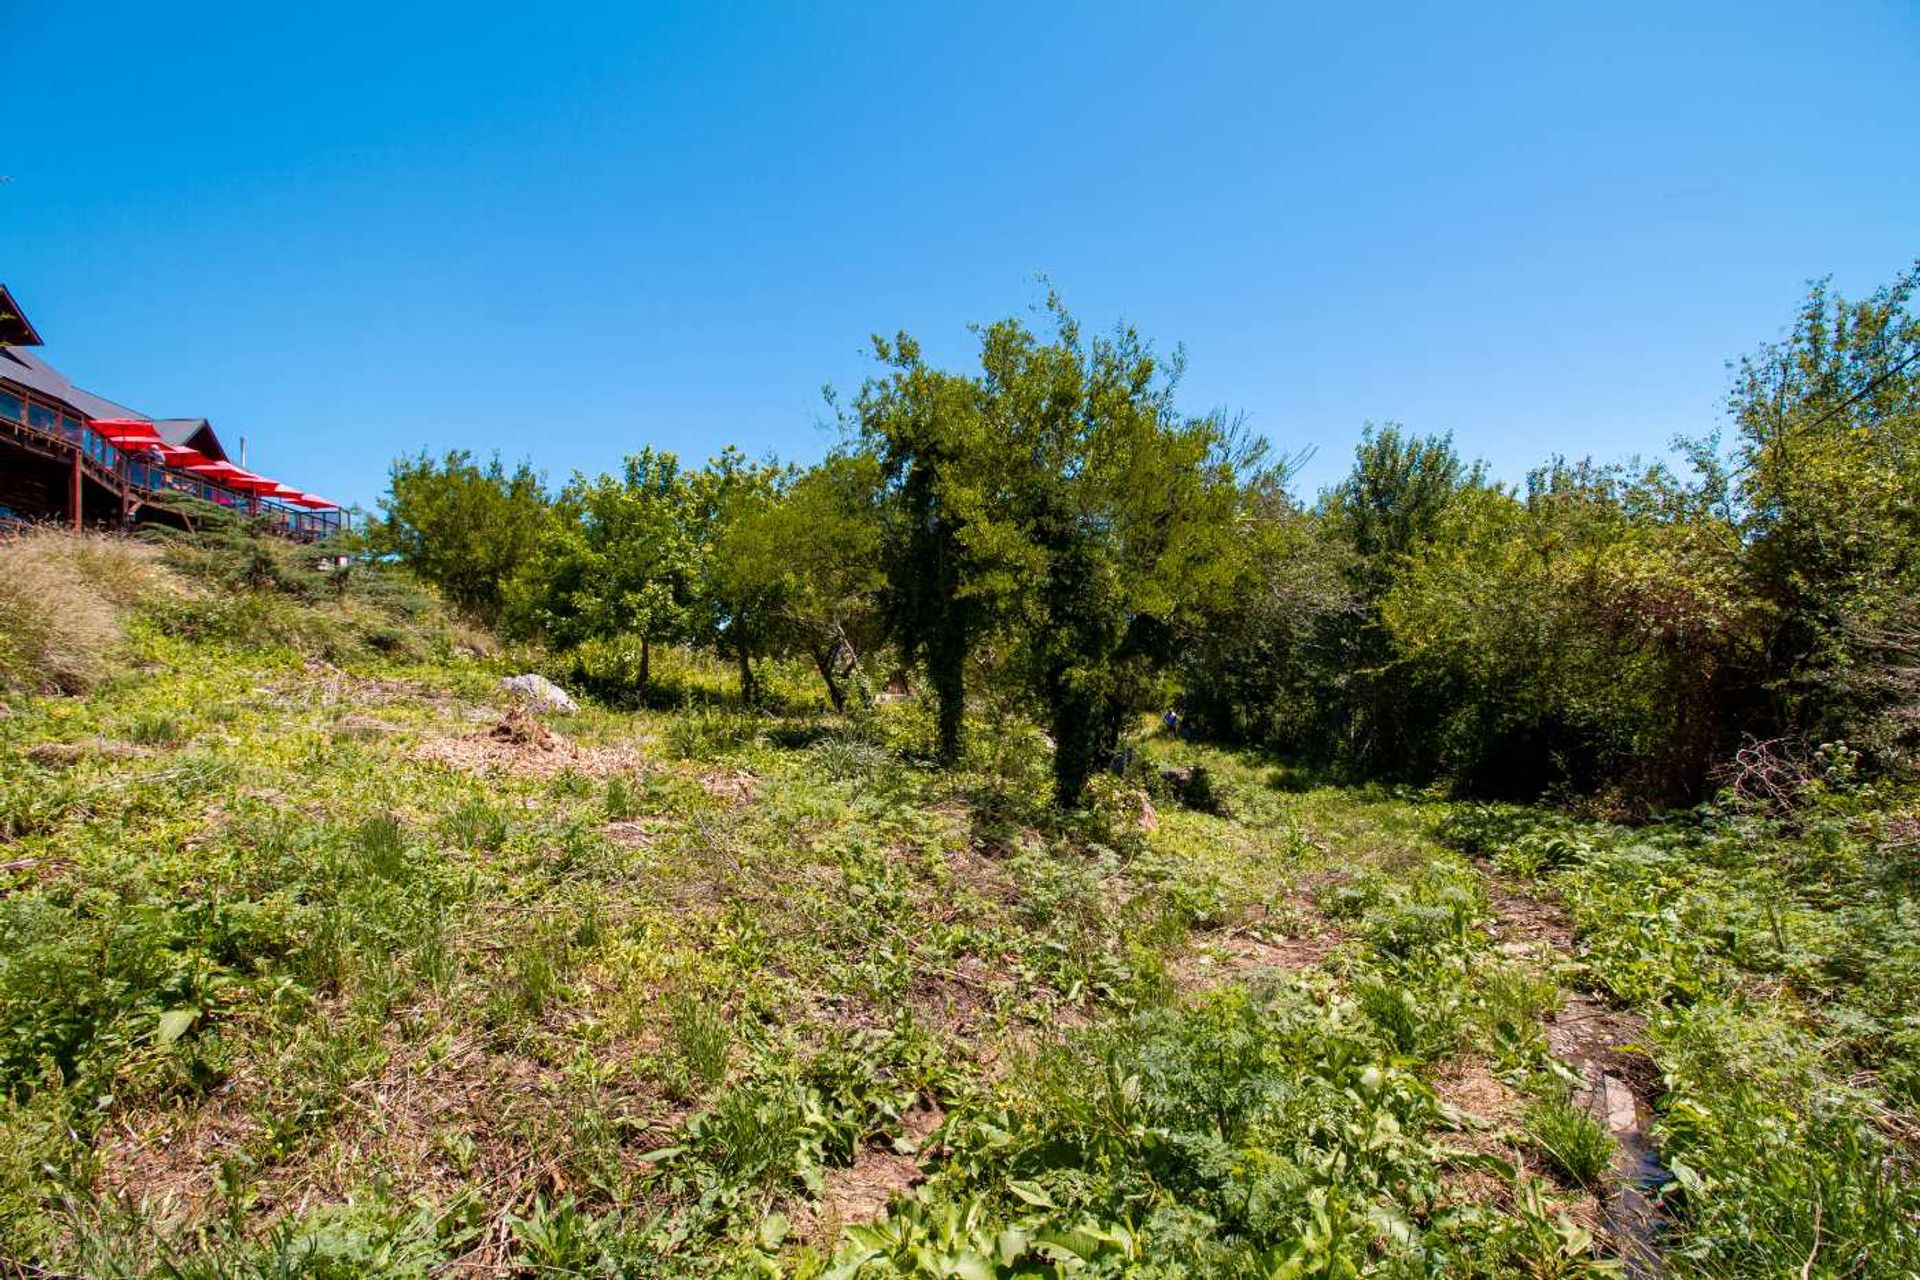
(1058, 499)
(1125, 511)
(952, 558)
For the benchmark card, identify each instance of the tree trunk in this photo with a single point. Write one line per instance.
(646, 662)
(823, 659)
(1076, 747)
(947, 673)
(749, 691)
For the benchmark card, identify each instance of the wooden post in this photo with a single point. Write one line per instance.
(77, 525)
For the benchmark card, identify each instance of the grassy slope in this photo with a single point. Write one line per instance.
(317, 969)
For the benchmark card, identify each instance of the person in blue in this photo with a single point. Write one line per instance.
(1171, 721)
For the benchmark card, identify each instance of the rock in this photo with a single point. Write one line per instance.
(1193, 787)
(540, 694)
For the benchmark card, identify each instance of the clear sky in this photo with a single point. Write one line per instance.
(563, 231)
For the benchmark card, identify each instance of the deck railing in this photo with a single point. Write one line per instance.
(116, 467)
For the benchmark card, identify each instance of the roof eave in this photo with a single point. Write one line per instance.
(15, 329)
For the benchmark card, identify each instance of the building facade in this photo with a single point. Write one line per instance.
(71, 457)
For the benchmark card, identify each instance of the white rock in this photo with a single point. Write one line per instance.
(540, 693)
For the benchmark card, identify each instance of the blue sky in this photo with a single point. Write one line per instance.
(566, 231)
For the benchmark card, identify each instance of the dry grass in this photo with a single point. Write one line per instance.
(63, 599)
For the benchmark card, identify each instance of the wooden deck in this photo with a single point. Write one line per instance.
(73, 475)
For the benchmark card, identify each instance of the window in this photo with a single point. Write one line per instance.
(11, 406)
(41, 418)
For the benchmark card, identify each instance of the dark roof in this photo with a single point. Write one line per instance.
(30, 371)
(194, 433)
(15, 329)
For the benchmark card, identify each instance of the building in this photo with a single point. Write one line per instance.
(72, 457)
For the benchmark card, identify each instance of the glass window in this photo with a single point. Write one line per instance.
(41, 418)
(11, 406)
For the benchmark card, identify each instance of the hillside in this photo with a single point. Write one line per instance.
(320, 955)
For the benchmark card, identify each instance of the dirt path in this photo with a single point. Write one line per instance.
(1604, 1045)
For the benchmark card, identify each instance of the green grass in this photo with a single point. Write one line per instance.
(1777, 960)
(1576, 1146)
(279, 999)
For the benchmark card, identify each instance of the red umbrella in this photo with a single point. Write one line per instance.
(314, 503)
(224, 472)
(130, 432)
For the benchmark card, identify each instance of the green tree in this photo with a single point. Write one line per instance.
(739, 599)
(621, 559)
(1392, 508)
(1266, 663)
(1577, 637)
(1828, 460)
(465, 527)
(1058, 502)
(809, 555)
(1124, 511)
(1395, 501)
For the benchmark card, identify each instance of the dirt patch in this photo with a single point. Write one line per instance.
(358, 728)
(634, 833)
(167, 1164)
(1233, 955)
(987, 877)
(1487, 1116)
(519, 744)
(1469, 1085)
(862, 1191)
(60, 755)
(431, 1122)
(1527, 923)
(732, 787)
(959, 1000)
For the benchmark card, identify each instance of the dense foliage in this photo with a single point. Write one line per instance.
(1048, 532)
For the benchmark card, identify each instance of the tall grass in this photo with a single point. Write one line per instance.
(63, 603)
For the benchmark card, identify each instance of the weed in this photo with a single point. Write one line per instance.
(848, 759)
(380, 847)
(155, 729)
(622, 801)
(477, 825)
(702, 731)
(700, 1041)
(63, 602)
(1576, 1146)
